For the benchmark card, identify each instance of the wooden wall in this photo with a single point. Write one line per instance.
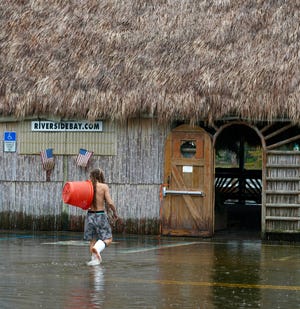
(134, 174)
(67, 142)
(282, 208)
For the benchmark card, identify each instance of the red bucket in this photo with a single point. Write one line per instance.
(78, 193)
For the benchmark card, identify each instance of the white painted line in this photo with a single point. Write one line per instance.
(68, 243)
(137, 250)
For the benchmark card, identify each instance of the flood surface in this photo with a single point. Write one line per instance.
(48, 270)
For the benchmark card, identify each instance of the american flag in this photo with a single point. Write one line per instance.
(47, 159)
(83, 157)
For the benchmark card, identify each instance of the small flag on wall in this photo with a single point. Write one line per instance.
(47, 159)
(83, 157)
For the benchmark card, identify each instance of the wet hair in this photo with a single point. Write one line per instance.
(96, 175)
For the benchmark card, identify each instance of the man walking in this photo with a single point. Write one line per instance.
(97, 229)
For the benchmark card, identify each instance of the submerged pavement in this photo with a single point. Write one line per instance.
(48, 270)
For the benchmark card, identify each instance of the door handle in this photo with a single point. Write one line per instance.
(178, 192)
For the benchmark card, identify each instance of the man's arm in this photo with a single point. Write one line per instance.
(110, 202)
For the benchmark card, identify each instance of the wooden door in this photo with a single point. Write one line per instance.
(188, 173)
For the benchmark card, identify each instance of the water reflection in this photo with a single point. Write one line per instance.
(89, 292)
(185, 267)
(280, 269)
(97, 285)
(236, 263)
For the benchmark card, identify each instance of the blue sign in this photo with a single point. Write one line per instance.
(10, 136)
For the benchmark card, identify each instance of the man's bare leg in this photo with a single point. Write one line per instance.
(108, 242)
(95, 255)
(97, 246)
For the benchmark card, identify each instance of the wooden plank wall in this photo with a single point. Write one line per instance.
(134, 175)
(282, 211)
(66, 142)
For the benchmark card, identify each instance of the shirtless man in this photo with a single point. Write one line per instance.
(97, 228)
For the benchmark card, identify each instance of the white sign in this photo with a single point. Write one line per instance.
(10, 141)
(70, 126)
(187, 169)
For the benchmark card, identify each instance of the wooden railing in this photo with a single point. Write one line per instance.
(238, 185)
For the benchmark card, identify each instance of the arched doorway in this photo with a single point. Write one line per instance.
(238, 177)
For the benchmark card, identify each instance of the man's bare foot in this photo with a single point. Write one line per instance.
(94, 251)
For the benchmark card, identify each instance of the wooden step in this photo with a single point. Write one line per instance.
(276, 218)
(282, 192)
(283, 205)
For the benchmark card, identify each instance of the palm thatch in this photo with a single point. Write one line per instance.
(173, 59)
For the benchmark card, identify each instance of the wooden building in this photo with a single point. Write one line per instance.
(158, 91)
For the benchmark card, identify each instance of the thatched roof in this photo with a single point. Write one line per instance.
(174, 59)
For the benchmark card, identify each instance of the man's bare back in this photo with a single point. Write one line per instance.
(102, 196)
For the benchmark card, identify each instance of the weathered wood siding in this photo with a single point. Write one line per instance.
(66, 142)
(134, 175)
(282, 213)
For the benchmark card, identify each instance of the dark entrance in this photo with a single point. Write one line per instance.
(238, 178)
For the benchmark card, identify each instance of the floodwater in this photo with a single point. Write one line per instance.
(48, 270)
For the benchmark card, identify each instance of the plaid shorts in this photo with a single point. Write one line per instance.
(96, 226)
